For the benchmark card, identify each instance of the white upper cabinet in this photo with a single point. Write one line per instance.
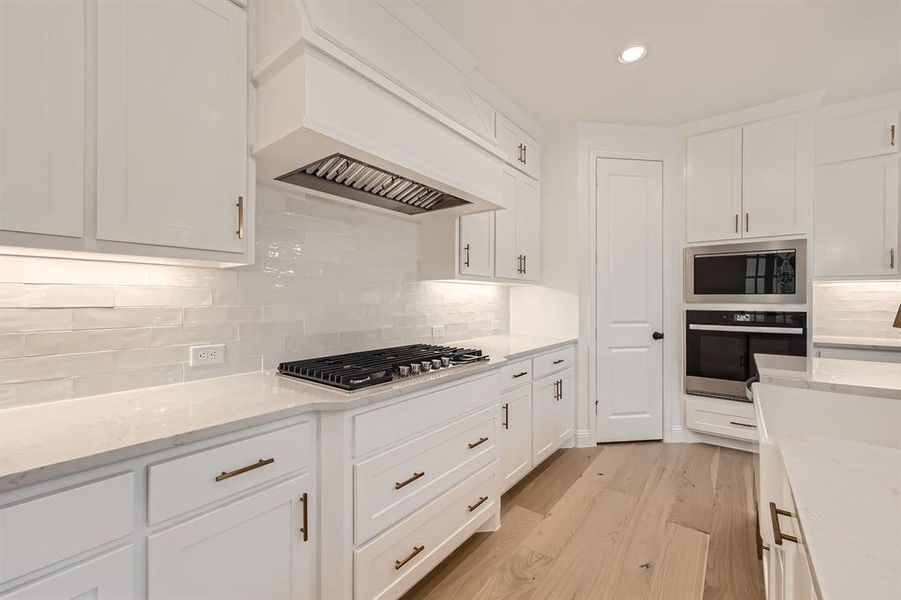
(508, 263)
(477, 244)
(519, 148)
(857, 136)
(172, 123)
(751, 181)
(777, 160)
(517, 230)
(713, 177)
(42, 110)
(856, 218)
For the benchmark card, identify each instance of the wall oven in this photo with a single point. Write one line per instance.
(751, 273)
(720, 347)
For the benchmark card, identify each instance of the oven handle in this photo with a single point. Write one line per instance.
(748, 329)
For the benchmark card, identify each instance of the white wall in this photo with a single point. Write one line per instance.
(328, 278)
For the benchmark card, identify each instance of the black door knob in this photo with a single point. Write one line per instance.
(657, 335)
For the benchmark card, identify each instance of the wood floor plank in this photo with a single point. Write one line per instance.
(696, 477)
(681, 571)
(544, 487)
(733, 570)
(633, 475)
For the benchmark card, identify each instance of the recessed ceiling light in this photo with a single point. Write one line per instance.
(633, 54)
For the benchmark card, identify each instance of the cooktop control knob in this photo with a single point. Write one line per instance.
(436, 363)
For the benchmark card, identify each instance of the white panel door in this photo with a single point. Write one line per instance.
(42, 90)
(172, 122)
(107, 577)
(506, 258)
(250, 549)
(629, 299)
(713, 185)
(528, 228)
(516, 435)
(476, 242)
(777, 158)
(544, 418)
(856, 218)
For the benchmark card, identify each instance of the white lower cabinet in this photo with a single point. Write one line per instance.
(258, 547)
(516, 436)
(553, 413)
(107, 577)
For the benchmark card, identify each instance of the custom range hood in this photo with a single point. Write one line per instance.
(327, 127)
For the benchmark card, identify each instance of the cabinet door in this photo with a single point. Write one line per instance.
(516, 435)
(544, 418)
(108, 577)
(506, 257)
(777, 158)
(856, 218)
(857, 136)
(476, 241)
(172, 122)
(508, 140)
(566, 406)
(713, 185)
(528, 233)
(250, 549)
(42, 90)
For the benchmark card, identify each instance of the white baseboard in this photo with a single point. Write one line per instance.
(582, 438)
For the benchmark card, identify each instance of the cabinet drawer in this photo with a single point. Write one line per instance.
(392, 485)
(516, 373)
(717, 423)
(40, 532)
(390, 564)
(553, 361)
(384, 426)
(107, 577)
(192, 481)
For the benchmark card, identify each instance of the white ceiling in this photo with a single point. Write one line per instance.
(557, 59)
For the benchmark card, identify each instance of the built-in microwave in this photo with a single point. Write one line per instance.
(751, 273)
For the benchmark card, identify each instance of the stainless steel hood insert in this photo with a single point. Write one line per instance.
(343, 176)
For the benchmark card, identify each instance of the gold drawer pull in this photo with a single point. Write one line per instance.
(305, 530)
(477, 504)
(481, 441)
(742, 424)
(416, 550)
(261, 463)
(413, 478)
(778, 536)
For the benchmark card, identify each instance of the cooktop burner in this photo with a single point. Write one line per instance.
(363, 369)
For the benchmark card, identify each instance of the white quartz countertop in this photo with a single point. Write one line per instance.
(863, 343)
(831, 374)
(848, 497)
(54, 439)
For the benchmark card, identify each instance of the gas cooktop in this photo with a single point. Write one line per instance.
(363, 369)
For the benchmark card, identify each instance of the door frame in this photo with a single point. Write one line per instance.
(673, 234)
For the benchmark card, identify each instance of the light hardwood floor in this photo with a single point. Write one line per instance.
(616, 522)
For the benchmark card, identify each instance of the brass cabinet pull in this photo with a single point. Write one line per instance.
(520, 374)
(305, 530)
(416, 550)
(481, 441)
(260, 463)
(240, 205)
(742, 424)
(506, 422)
(736, 222)
(525, 264)
(525, 154)
(477, 504)
(747, 222)
(891, 258)
(892, 130)
(466, 250)
(778, 536)
(412, 478)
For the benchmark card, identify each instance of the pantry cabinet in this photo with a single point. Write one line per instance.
(42, 91)
(856, 218)
(516, 436)
(517, 230)
(519, 148)
(477, 244)
(751, 181)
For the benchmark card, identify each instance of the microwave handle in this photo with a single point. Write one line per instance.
(747, 329)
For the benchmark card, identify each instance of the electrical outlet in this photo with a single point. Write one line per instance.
(202, 356)
(437, 331)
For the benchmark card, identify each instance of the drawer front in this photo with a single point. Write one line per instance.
(516, 374)
(392, 563)
(190, 482)
(385, 426)
(108, 577)
(553, 361)
(733, 426)
(40, 532)
(390, 486)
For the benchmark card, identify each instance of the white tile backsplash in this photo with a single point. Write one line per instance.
(329, 278)
(856, 309)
